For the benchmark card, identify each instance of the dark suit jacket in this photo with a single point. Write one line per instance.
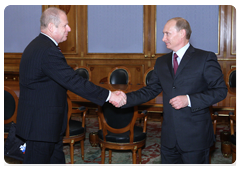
(45, 78)
(199, 75)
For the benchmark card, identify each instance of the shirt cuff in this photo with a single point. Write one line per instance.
(189, 102)
(109, 96)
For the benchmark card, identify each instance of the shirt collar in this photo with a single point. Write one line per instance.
(182, 51)
(51, 39)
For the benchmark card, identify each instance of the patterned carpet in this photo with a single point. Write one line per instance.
(150, 153)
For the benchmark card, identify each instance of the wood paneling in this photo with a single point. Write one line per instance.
(100, 72)
(75, 48)
(233, 33)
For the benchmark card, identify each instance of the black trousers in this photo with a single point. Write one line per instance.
(38, 152)
(177, 156)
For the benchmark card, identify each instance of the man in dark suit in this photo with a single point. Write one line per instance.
(45, 78)
(187, 131)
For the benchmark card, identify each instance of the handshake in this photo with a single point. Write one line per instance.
(118, 98)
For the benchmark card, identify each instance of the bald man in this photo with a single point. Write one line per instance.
(45, 78)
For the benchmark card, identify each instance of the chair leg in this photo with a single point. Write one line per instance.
(134, 156)
(103, 155)
(140, 155)
(110, 156)
(82, 149)
(234, 156)
(71, 152)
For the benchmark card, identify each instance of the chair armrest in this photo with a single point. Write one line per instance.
(142, 114)
(99, 120)
(232, 120)
(232, 116)
(82, 108)
(231, 113)
(214, 119)
(84, 117)
(214, 116)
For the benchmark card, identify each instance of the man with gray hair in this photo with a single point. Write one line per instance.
(45, 78)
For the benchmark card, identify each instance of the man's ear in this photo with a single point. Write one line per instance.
(183, 33)
(51, 27)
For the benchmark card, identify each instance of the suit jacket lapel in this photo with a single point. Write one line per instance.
(169, 63)
(185, 60)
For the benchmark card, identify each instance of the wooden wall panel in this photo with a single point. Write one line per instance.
(233, 32)
(100, 72)
(75, 48)
(100, 68)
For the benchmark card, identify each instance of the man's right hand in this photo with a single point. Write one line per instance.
(118, 98)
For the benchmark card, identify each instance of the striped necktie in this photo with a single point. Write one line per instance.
(175, 63)
(59, 48)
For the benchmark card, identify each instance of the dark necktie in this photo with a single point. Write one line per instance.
(59, 48)
(175, 63)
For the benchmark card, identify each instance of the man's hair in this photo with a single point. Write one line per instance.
(181, 23)
(50, 15)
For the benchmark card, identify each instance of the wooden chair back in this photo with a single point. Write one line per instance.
(10, 105)
(119, 75)
(84, 72)
(232, 77)
(147, 76)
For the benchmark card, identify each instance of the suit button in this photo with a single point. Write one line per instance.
(174, 87)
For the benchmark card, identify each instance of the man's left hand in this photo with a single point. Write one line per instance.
(179, 102)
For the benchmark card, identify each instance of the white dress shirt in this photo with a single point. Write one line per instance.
(180, 54)
(50, 38)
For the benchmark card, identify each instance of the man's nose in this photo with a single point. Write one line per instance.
(164, 38)
(69, 28)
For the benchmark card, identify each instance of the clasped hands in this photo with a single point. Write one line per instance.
(118, 98)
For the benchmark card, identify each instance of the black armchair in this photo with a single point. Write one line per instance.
(75, 130)
(117, 130)
(10, 109)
